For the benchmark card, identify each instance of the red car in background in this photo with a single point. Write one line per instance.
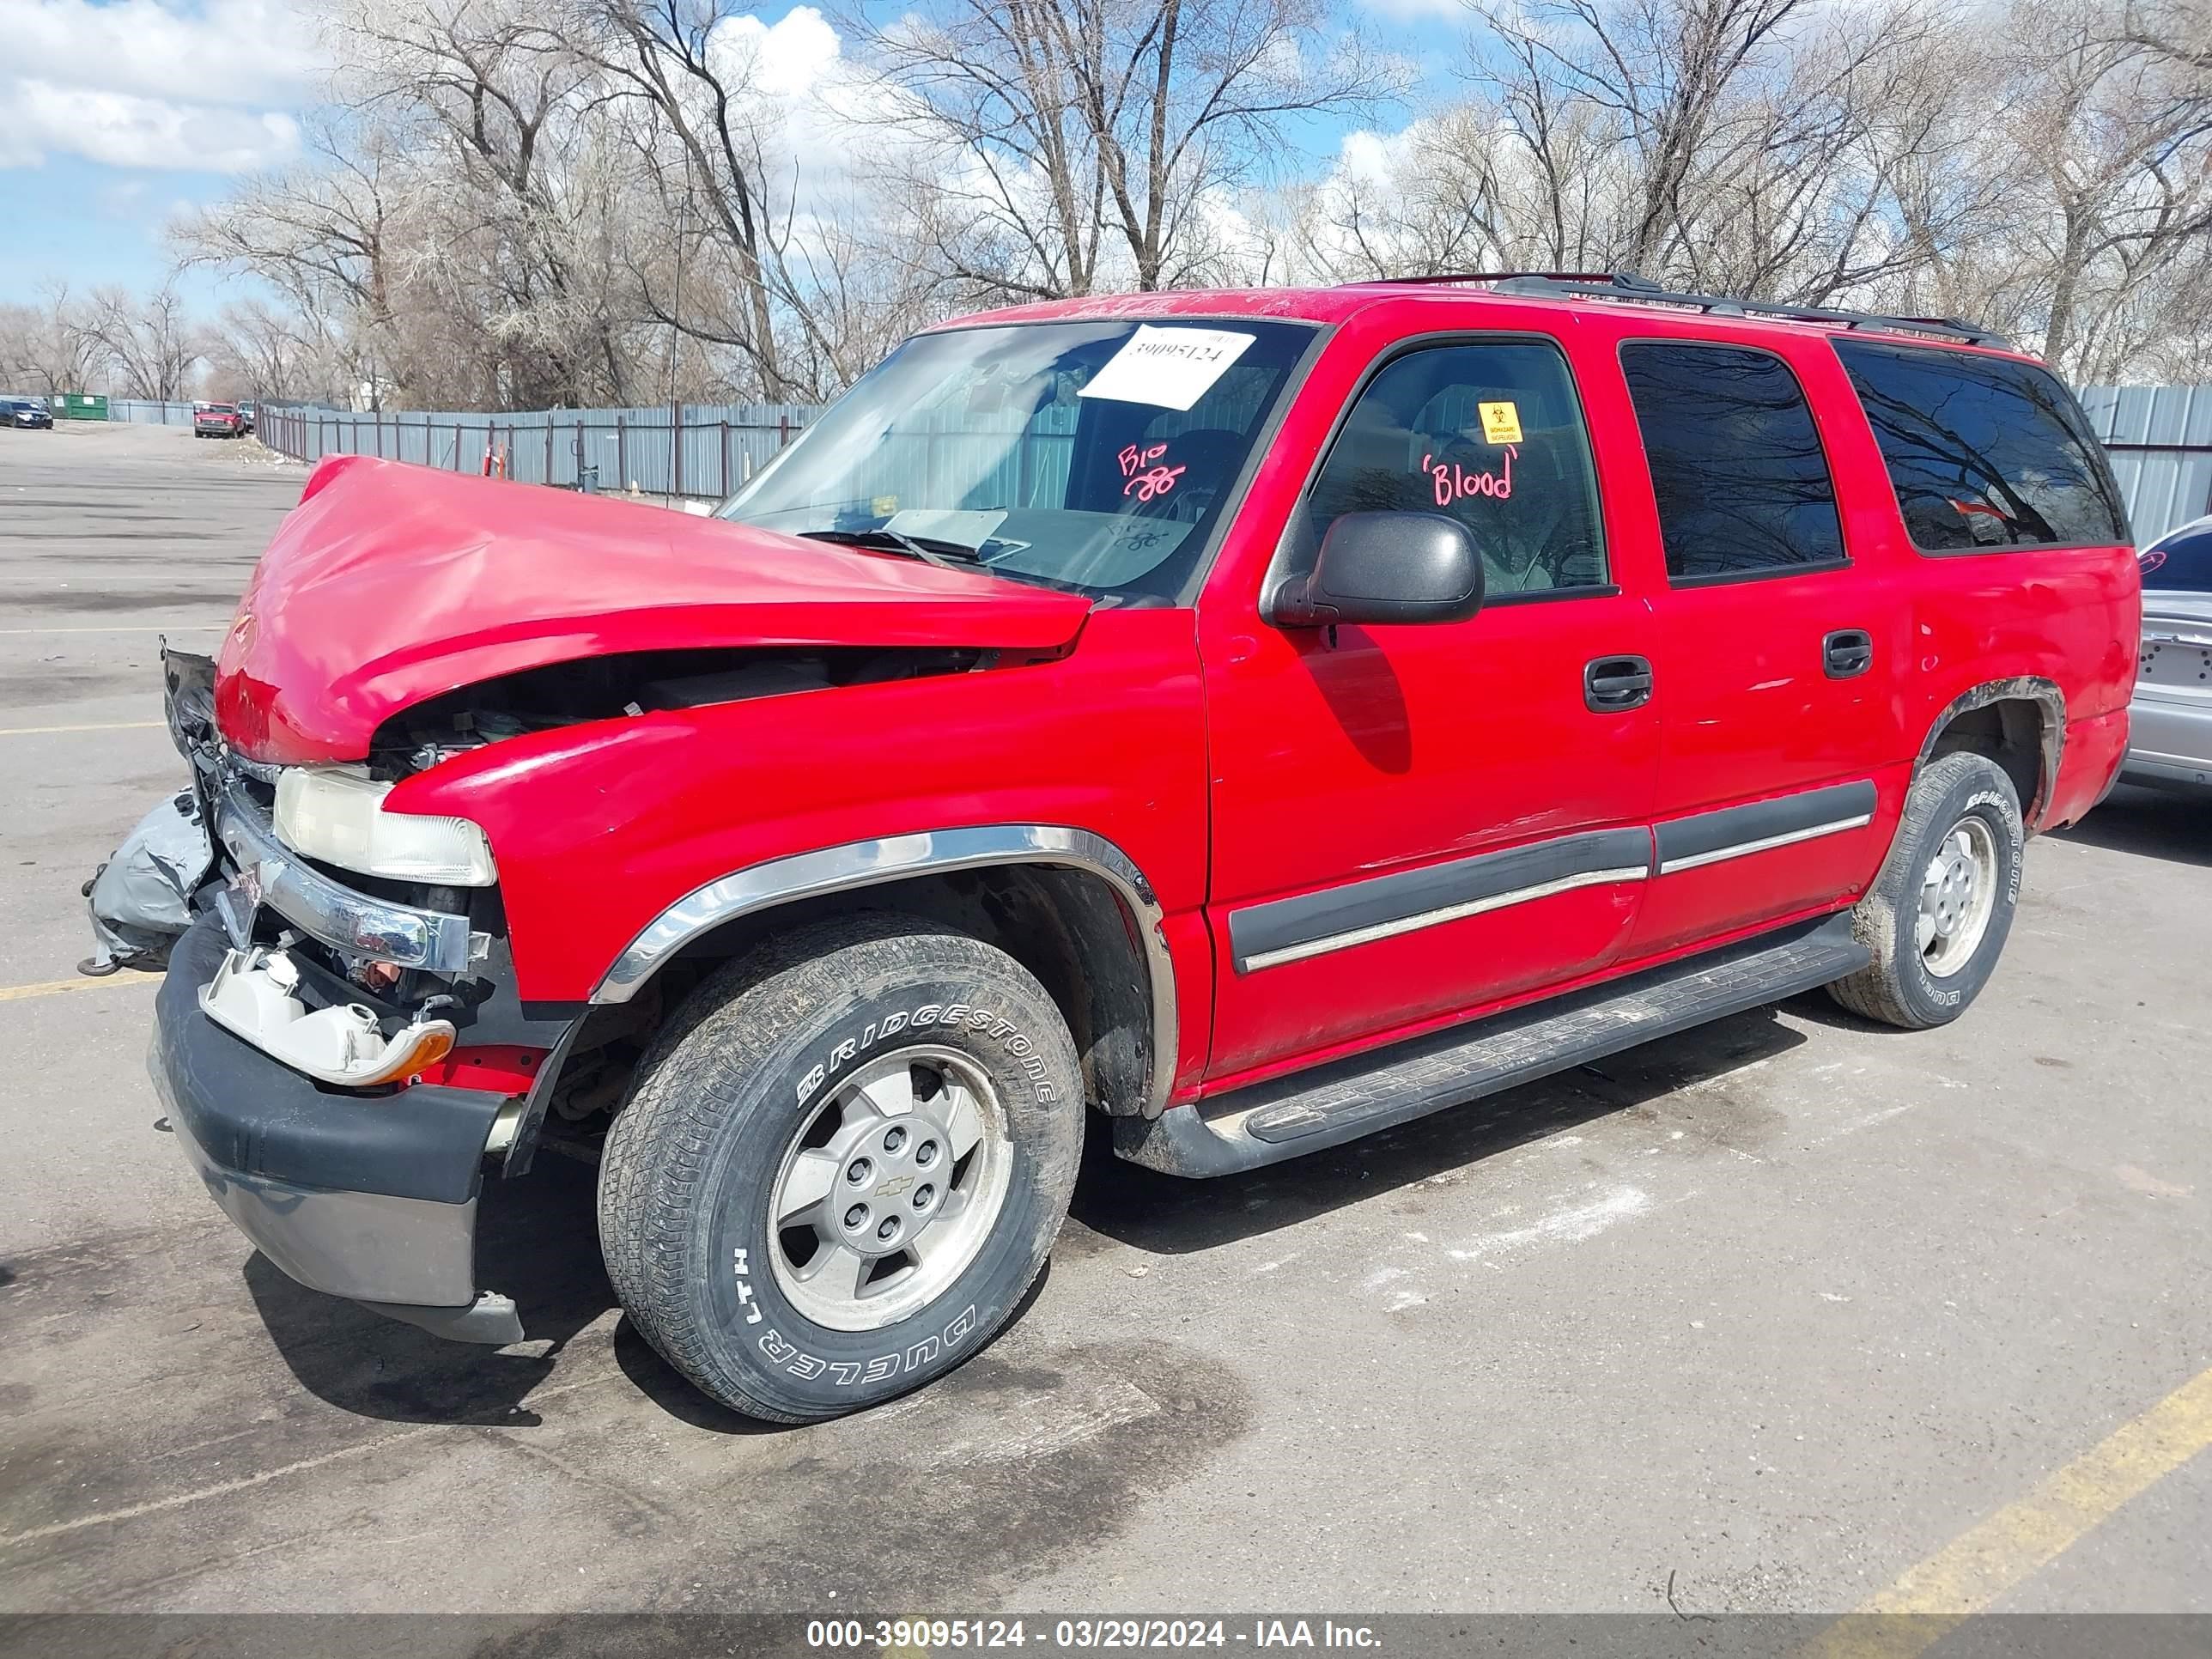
(219, 421)
(1262, 717)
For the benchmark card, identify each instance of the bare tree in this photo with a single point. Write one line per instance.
(611, 200)
(46, 347)
(509, 116)
(2116, 140)
(151, 347)
(325, 234)
(1680, 82)
(2177, 31)
(698, 133)
(258, 349)
(1072, 143)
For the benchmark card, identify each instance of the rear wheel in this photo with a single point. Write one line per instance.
(1937, 916)
(842, 1165)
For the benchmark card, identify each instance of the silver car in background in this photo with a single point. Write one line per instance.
(2170, 720)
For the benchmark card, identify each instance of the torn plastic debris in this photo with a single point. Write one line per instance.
(141, 899)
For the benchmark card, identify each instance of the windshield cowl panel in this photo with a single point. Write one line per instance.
(1097, 456)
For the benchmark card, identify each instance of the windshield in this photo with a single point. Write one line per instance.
(1093, 455)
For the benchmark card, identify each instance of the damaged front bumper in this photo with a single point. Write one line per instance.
(277, 1066)
(373, 1198)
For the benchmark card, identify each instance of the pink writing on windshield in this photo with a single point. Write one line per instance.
(1147, 478)
(1454, 483)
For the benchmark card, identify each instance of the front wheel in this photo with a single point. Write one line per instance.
(842, 1165)
(1937, 915)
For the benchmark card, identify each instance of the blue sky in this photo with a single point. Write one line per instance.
(94, 224)
(116, 114)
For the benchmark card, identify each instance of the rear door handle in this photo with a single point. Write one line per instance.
(1613, 683)
(1846, 652)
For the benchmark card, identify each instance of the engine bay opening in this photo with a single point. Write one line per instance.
(638, 683)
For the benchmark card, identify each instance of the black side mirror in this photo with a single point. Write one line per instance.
(1386, 568)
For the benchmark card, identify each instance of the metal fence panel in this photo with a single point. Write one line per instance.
(2160, 439)
(716, 447)
(149, 413)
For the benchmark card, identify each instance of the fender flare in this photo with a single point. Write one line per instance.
(876, 862)
(2033, 688)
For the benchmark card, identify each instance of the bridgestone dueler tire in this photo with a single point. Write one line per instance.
(690, 1165)
(1896, 987)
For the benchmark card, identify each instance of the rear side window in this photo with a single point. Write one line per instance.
(2179, 561)
(1984, 452)
(1736, 464)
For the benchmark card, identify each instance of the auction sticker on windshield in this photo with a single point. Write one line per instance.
(1168, 368)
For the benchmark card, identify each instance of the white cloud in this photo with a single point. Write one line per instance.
(141, 84)
(791, 58)
(829, 129)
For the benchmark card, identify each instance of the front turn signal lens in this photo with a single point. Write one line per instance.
(430, 1044)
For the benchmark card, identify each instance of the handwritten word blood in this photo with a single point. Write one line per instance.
(1147, 477)
(1454, 483)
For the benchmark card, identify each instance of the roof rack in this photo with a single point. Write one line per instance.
(1626, 286)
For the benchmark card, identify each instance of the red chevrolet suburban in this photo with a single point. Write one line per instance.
(1262, 717)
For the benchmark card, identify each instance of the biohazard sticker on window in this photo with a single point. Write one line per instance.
(1501, 422)
(1167, 368)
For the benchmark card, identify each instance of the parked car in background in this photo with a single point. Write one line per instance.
(250, 412)
(218, 421)
(1263, 717)
(2170, 738)
(27, 414)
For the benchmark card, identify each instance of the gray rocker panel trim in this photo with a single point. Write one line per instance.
(893, 858)
(1734, 832)
(1361, 912)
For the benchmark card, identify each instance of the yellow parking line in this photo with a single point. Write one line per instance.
(54, 987)
(112, 725)
(1973, 1570)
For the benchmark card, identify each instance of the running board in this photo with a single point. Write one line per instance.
(1330, 1104)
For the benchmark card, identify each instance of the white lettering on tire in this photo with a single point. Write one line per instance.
(980, 1020)
(844, 1373)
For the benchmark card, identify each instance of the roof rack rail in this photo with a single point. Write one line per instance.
(1590, 276)
(1622, 285)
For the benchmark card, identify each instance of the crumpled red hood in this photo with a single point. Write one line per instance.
(390, 583)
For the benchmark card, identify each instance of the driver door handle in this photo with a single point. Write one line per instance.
(1611, 684)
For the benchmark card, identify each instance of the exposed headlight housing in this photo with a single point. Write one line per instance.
(337, 816)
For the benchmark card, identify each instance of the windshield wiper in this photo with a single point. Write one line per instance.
(948, 555)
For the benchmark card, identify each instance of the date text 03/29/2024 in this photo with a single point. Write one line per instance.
(902, 1636)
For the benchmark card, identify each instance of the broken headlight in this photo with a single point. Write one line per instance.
(337, 814)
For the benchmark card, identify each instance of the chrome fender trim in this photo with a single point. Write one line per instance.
(893, 858)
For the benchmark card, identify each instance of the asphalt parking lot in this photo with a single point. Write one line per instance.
(1789, 1314)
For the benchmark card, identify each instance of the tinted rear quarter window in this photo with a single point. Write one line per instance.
(1742, 484)
(1984, 452)
(2179, 561)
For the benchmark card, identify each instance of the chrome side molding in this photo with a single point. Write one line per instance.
(893, 858)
